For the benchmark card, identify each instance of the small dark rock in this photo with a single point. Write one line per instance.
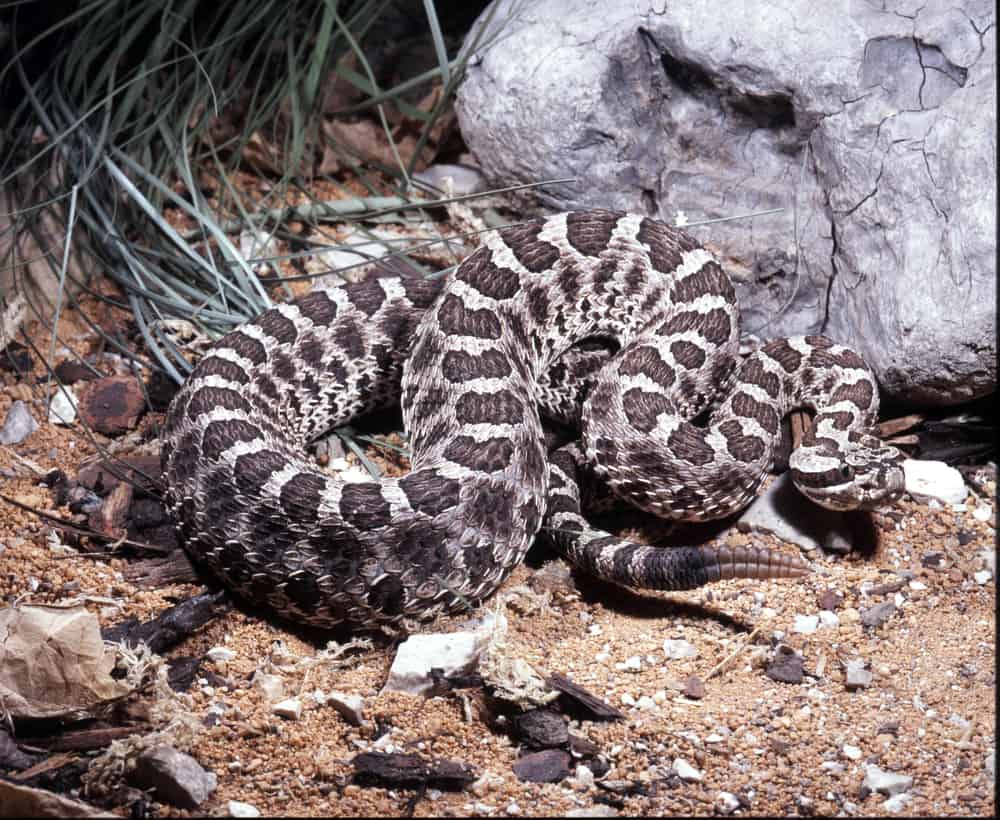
(146, 513)
(181, 671)
(965, 537)
(931, 560)
(11, 757)
(16, 358)
(177, 778)
(161, 390)
(112, 405)
(889, 728)
(142, 469)
(70, 371)
(541, 729)
(578, 702)
(411, 771)
(82, 500)
(548, 766)
(787, 665)
(779, 746)
(830, 599)
(582, 747)
(877, 615)
(694, 688)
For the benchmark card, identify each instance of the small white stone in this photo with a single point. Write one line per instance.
(351, 707)
(896, 803)
(851, 752)
(290, 709)
(677, 650)
(628, 700)
(584, 776)
(595, 629)
(983, 513)
(917, 586)
(715, 737)
(805, 624)
(660, 697)
(238, 809)
(685, 771)
(451, 652)
(983, 576)
(833, 766)
(934, 479)
(828, 619)
(727, 802)
(220, 654)
(646, 704)
(272, 686)
(513, 809)
(633, 664)
(62, 407)
(888, 783)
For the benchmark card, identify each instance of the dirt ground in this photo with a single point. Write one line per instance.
(757, 746)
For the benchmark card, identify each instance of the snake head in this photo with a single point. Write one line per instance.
(864, 475)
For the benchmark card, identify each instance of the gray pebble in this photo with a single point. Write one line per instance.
(18, 425)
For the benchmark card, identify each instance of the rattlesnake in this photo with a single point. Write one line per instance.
(473, 358)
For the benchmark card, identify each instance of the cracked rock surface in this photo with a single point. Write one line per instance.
(873, 128)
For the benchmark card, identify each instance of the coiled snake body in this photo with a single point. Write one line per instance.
(473, 359)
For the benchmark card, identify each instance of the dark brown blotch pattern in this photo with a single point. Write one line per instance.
(643, 408)
(454, 318)
(647, 360)
(502, 407)
(589, 232)
(480, 272)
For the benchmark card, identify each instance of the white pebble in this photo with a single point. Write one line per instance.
(983, 576)
(290, 709)
(983, 513)
(220, 653)
(851, 752)
(896, 803)
(829, 620)
(927, 480)
(239, 809)
(727, 802)
(805, 624)
(917, 585)
(676, 650)
(62, 407)
(633, 664)
(888, 783)
(513, 809)
(685, 771)
(646, 704)
(628, 700)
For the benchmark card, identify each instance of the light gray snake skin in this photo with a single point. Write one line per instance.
(473, 358)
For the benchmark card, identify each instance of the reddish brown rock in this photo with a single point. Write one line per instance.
(112, 405)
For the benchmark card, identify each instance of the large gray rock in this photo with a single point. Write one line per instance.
(873, 128)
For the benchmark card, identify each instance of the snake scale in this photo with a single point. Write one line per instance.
(476, 358)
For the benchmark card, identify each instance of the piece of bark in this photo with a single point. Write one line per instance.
(575, 699)
(174, 568)
(172, 625)
(49, 764)
(892, 427)
(84, 740)
(110, 518)
(411, 771)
